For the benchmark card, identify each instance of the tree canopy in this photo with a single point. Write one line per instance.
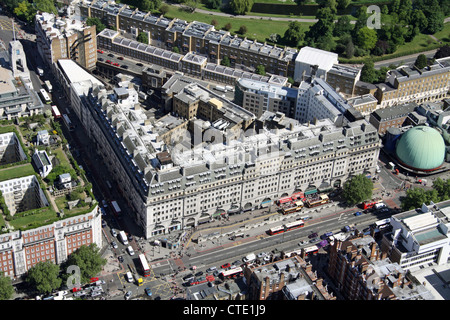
(43, 277)
(89, 260)
(240, 6)
(357, 189)
(6, 288)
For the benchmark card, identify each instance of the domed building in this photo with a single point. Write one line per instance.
(421, 148)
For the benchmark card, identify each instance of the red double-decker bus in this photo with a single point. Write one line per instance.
(144, 265)
(232, 273)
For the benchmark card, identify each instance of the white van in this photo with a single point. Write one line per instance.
(249, 258)
(130, 250)
(129, 276)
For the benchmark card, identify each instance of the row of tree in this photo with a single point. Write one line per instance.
(46, 277)
(401, 21)
(416, 196)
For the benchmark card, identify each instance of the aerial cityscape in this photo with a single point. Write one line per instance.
(234, 151)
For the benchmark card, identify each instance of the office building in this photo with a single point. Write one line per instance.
(258, 97)
(419, 237)
(204, 172)
(318, 100)
(65, 38)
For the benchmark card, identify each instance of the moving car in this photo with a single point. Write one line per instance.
(313, 235)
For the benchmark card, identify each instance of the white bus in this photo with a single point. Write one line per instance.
(48, 86)
(45, 97)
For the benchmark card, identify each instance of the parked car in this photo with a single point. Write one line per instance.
(224, 266)
(124, 66)
(100, 59)
(139, 64)
(148, 291)
(111, 55)
(261, 255)
(108, 61)
(128, 295)
(120, 258)
(114, 244)
(114, 233)
(120, 58)
(100, 51)
(198, 274)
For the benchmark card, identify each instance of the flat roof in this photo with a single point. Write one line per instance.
(75, 73)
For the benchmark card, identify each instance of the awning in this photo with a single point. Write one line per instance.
(310, 191)
(284, 200)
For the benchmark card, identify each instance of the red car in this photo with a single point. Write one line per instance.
(120, 58)
(75, 289)
(115, 64)
(100, 51)
(226, 265)
(94, 279)
(108, 61)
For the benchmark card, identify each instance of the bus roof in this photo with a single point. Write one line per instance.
(144, 262)
(231, 271)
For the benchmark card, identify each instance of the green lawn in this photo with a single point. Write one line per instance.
(256, 28)
(16, 172)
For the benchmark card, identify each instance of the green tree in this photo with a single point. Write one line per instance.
(421, 61)
(443, 188)
(366, 38)
(213, 4)
(44, 277)
(99, 26)
(350, 50)
(6, 288)
(163, 9)
(321, 32)
(261, 70)
(149, 5)
(25, 11)
(357, 189)
(294, 34)
(242, 30)
(368, 72)
(225, 61)
(142, 37)
(415, 197)
(342, 4)
(45, 6)
(343, 26)
(240, 7)
(420, 20)
(88, 259)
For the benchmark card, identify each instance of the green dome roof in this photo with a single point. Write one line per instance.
(421, 148)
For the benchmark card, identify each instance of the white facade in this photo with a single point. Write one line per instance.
(312, 61)
(420, 237)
